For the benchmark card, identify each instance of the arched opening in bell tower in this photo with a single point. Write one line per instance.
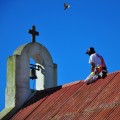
(37, 74)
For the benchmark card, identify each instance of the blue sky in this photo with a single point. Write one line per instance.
(65, 33)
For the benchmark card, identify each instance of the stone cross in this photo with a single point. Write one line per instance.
(34, 33)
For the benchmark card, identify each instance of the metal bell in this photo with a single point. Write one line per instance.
(33, 74)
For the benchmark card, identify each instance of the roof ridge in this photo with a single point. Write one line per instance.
(72, 83)
(114, 72)
(76, 82)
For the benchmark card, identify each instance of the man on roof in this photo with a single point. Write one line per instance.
(98, 67)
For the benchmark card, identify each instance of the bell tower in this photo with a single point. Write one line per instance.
(43, 71)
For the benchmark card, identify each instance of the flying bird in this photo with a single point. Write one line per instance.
(66, 6)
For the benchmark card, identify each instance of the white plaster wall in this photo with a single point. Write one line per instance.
(41, 56)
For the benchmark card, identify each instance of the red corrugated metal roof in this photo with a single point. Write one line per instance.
(97, 101)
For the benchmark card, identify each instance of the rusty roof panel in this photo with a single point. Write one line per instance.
(115, 114)
(97, 101)
(59, 102)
